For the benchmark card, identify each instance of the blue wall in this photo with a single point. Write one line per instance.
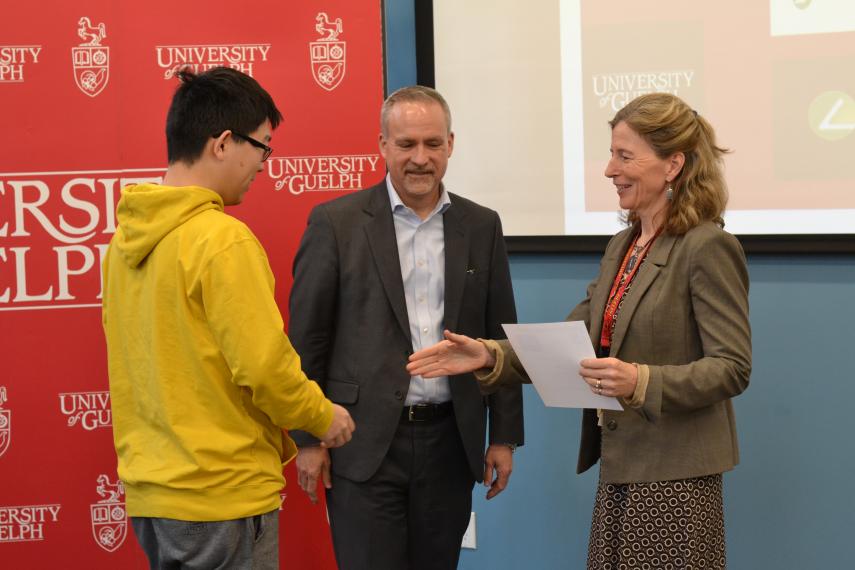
(789, 505)
(400, 44)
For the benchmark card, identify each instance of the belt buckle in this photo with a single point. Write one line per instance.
(411, 413)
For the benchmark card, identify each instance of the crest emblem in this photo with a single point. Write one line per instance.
(91, 60)
(328, 53)
(5, 423)
(109, 518)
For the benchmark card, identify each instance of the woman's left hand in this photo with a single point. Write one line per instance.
(610, 376)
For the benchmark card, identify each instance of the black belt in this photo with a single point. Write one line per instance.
(426, 412)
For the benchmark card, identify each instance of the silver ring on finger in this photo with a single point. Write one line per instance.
(599, 384)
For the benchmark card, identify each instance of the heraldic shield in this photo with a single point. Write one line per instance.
(109, 525)
(5, 430)
(91, 68)
(328, 63)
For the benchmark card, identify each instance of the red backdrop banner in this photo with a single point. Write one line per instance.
(84, 90)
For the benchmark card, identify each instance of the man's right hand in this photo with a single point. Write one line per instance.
(340, 430)
(313, 462)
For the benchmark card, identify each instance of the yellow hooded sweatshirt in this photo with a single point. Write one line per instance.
(202, 375)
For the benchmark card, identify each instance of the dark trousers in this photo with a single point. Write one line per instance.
(411, 515)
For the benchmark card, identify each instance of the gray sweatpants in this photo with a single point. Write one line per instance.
(251, 543)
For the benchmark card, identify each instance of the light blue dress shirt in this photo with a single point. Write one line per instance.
(421, 251)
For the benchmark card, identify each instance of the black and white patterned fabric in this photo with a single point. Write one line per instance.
(665, 525)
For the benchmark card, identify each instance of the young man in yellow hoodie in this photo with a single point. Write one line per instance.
(202, 376)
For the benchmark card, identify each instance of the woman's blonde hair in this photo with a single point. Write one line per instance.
(670, 126)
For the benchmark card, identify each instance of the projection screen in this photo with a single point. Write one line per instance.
(533, 85)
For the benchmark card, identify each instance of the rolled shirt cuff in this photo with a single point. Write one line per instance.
(638, 396)
(488, 377)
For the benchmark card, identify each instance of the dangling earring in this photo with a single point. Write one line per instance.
(669, 193)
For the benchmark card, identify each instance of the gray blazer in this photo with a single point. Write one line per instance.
(686, 317)
(350, 327)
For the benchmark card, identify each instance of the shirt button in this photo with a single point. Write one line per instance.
(424, 330)
(421, 263)
(612, 425)
(421, 299)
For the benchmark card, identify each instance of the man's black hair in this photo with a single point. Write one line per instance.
(209, 103)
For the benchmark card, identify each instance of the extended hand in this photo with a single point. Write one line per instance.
(313, 462)
(455, 355)
(609, 376)
(340, 430)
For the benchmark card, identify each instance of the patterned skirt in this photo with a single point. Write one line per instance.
(665, 525)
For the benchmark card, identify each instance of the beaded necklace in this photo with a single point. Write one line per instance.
(628, 268)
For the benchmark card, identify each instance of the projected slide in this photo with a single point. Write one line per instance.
(533, 85)
(775, 80)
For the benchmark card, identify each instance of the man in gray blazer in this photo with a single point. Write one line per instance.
(380, 273)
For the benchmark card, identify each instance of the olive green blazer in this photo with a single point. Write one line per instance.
(686, 318)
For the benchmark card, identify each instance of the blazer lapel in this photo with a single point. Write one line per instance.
(647, 274)
(380, 231)
(456, 260)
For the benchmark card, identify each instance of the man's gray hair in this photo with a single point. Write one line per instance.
(413, 94)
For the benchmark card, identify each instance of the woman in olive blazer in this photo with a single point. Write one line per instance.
(685, 320)
(668, 313)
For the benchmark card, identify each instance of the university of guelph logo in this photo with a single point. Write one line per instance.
(5, 423)
(328, 53)
(91, 59)
(109, 519)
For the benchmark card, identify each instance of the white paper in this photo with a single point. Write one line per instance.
(551, 353)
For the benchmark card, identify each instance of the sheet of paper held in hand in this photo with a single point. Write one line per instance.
(551, 353)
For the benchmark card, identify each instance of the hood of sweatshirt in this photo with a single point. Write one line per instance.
(148, 212)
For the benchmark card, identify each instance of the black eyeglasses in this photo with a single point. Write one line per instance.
(257, 144)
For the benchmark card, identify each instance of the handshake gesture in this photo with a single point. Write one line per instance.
(457, 354)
